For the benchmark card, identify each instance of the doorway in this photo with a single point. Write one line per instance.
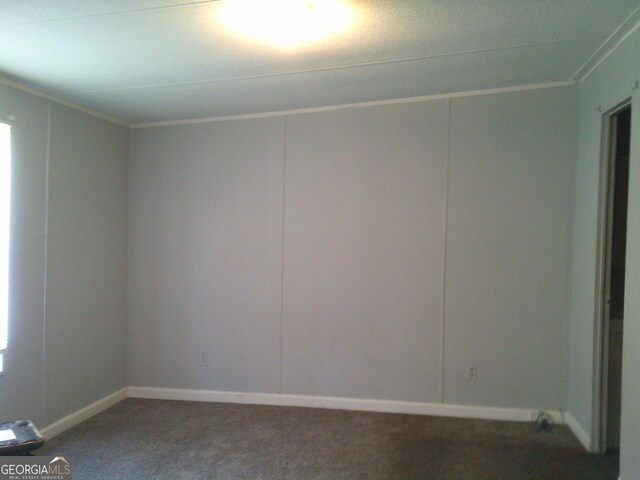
(614, 256)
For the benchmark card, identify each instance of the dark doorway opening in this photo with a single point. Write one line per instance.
(615, 261)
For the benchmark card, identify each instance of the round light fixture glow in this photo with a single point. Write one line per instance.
(286, 23)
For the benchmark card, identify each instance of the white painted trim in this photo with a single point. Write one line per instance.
(336, 403)
(71, 420)
(610, 45)
(489, 91)
(601, 322)
(39, 93)
(578, 431)
(248, 116)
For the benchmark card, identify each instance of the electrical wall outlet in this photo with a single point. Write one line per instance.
(472, 373)
(203, 359)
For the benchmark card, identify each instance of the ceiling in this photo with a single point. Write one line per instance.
(162, 60)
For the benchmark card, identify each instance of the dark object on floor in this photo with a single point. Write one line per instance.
(168, 440)
(27, 439)
(543, 423)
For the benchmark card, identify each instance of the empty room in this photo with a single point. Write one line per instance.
(320, 239)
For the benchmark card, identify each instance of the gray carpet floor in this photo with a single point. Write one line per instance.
(156, 439)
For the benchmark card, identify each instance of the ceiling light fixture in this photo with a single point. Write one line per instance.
(286, 23)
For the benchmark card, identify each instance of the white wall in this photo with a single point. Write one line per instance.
(510, 196)
(68, 260)
(85, 340)
(359, 197)
(205, 255)
(364, 243)
(612, 83)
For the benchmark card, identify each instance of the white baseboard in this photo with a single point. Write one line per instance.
(336, 403)
(59, 426)
(577, 429)
(365, 405)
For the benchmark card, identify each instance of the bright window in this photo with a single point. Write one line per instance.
(5, 206)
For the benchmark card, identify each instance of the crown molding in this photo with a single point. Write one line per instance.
(52, 98)
(250, 116)
(610, 45)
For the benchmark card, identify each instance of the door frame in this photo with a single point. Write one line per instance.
(606, 196)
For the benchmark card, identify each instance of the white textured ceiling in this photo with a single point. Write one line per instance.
(155, 60)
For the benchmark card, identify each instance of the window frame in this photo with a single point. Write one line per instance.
(6, 161)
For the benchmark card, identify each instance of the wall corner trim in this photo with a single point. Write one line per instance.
(578, 430)
(610, 45)
(71, 420)
(61, 101)
(341, 403)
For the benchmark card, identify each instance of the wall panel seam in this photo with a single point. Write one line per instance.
(444, 250)
(46, 262)
(284, 180)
